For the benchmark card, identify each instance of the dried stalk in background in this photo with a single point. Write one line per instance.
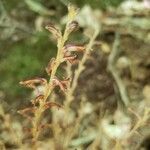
(111, 66)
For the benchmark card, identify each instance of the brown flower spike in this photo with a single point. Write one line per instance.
(64, 53)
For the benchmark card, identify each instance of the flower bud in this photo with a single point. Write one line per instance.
(72, 58)
(50, 66)
(56, 32)
(73, 48)
(37, 99)
(61, 83)
(72, 12)
(51, 104)
(73, 26)
(27, 112)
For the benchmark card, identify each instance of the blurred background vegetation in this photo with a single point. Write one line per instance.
(24, 46)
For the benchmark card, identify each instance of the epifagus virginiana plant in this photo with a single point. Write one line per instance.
(65, 52)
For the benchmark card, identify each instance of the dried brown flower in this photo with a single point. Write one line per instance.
(56, 32)
(62, 84)
(72, 58)
(50, 66)
(25, 112)
(51, 104)
(73, 48)
(69, 49)
(73, 26)
(37, 99)
(32, 83)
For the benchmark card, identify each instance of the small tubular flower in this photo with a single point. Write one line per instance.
(37, 99)
(62, 84)
(50, 66)
(32, 83)
(52, 104)
(72, 26)
(27, 112)
(56, 32)
(68, 51)
(72, 58)
(73, 48)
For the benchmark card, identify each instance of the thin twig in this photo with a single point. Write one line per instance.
(111, 67)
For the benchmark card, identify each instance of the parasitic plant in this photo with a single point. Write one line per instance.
(63, 129)
(65, 53)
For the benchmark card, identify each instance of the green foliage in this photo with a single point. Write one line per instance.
(24, 60)
(38, 7)
(103, 4)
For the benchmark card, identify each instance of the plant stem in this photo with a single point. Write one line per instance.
(49, 87)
